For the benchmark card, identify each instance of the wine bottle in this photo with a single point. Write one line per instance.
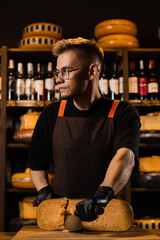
(142, 81)
(38, 84)
(11, 88)
(121, 82)
(114, 83)
(152, 81)
(29, 89)
(20, 81)
(49, 84)
(57, 95)
(133, 82)
(103, 81)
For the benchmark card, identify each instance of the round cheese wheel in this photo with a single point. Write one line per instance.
(118, 41)
(28, 120)
(23, 136)
(43, 29)
(26, 209)
(114, 26)
(148, 223)
(38, 42)
(23, 180)
(149, 164)
(146, 180)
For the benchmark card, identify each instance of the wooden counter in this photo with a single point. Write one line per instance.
(35, 233)
(7, 235)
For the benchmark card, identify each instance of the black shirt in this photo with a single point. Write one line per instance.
(126, 125)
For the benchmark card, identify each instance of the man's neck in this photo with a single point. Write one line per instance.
(83, 103)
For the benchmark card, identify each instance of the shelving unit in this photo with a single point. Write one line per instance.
(3, 54)
(9, 149)
(145, 200)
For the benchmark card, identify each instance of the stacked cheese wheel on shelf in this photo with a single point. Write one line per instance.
(27, 125)
(40, 35)
(148, 223)
(116, 33)
(26, 209)
(148, 174)
(23, 180)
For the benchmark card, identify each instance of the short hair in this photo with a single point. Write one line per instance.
(89, 49)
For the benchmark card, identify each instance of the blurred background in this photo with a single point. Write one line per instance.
(79, 18)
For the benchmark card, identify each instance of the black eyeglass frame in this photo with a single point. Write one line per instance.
(64, 72)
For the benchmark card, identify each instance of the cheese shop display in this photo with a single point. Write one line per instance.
(27, 124)
(150, 127)
(28, 120)
(40, 35)
(150, 122)
(148, 174)
(149, 164)
(43, 29)
(23, 180)
(37, 42)
(116, 33)
(149, 180)
(148, 223)
(118, 41)
(114, 26)
(26, 209)
(51, 215)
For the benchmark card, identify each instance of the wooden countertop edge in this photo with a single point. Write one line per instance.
(7, 235)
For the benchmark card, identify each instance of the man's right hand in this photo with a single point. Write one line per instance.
(44, 193)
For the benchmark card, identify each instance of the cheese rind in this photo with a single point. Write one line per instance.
(150, 123)
(118, 215)
(149, 164)
(118, 41)
(26, 209)
(114, 26)
(51, 214)
(23, 180)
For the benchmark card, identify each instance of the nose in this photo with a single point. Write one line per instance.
(60, 79)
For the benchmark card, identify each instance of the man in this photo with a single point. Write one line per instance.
(91, 140)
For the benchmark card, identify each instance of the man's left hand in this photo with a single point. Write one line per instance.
(89, 209)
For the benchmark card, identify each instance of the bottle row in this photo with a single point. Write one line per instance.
(143, 83)
(37, 84)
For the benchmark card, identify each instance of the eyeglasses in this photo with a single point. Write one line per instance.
(65, 73)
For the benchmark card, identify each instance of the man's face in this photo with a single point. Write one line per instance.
(78, 79)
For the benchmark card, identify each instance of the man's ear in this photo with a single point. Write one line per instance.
(93, 71)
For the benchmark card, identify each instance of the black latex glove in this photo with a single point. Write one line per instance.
(44, 193)
(89, 209)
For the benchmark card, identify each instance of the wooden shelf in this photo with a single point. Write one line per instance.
(20, 190)
(28, 103)
(29, 50)
(134, 189)
(149, 145)
(145, 53)
(25, 103)
(17, 145)
(144, 50)
(14, 108)
(26, 55)
(143, 103)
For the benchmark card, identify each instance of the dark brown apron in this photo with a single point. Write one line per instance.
(82, 151)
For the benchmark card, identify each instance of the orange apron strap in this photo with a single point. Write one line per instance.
(113, 108)
(62, 108)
